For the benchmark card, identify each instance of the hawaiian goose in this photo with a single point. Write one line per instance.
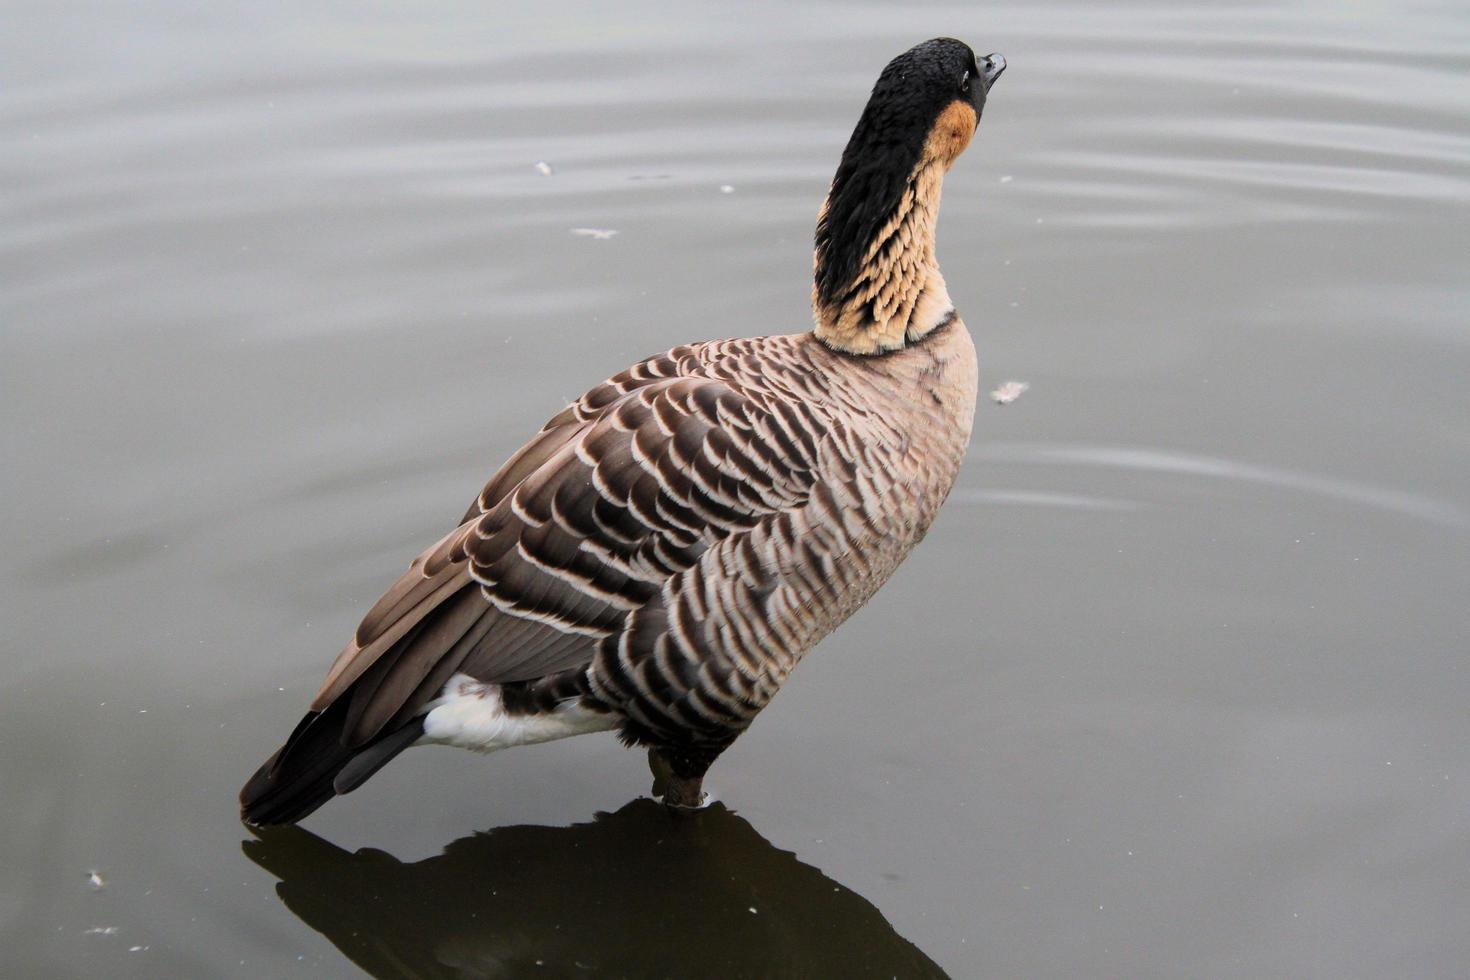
(661, 555)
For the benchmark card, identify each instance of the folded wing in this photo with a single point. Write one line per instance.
(626, 488)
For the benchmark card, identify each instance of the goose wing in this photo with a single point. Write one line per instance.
(582, 527)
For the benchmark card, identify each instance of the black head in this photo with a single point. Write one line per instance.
(927, 101)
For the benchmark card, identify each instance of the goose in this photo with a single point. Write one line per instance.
(660, 556)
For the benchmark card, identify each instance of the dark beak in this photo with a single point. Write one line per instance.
(991, 68)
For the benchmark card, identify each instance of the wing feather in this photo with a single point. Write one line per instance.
(577, 532)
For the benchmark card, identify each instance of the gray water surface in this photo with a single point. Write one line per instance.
(1176, 687)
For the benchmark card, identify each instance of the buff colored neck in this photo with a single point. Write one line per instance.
(898, 294)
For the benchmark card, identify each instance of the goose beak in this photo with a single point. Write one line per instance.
(991, 68)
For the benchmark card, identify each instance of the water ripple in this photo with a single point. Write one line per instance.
(1040, 498)
(1147, 459)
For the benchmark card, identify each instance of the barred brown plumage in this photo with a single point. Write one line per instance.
(662, 554)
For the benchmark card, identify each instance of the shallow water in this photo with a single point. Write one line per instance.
(1176, 687)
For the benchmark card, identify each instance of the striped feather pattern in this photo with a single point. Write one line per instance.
(670, 545)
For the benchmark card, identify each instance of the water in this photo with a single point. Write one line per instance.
(1176, 687)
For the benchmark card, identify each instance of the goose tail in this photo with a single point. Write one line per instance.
(315, 765)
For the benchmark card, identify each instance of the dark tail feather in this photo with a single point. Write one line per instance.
(375, 755)
(314, 765)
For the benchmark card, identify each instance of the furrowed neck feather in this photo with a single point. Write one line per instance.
(877, 284)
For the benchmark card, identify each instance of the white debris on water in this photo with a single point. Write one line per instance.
(1009, 392)
(95, 879)
(101, 931)
(598, 234)
(1007, 179)
(137, 949)
(727, 188)
(543, 168)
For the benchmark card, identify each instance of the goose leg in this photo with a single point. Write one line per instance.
(678, 776)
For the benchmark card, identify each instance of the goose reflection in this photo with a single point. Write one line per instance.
(643, 892)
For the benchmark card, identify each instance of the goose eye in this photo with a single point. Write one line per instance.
(965, 81)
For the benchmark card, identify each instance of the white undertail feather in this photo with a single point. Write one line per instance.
(472, 715)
